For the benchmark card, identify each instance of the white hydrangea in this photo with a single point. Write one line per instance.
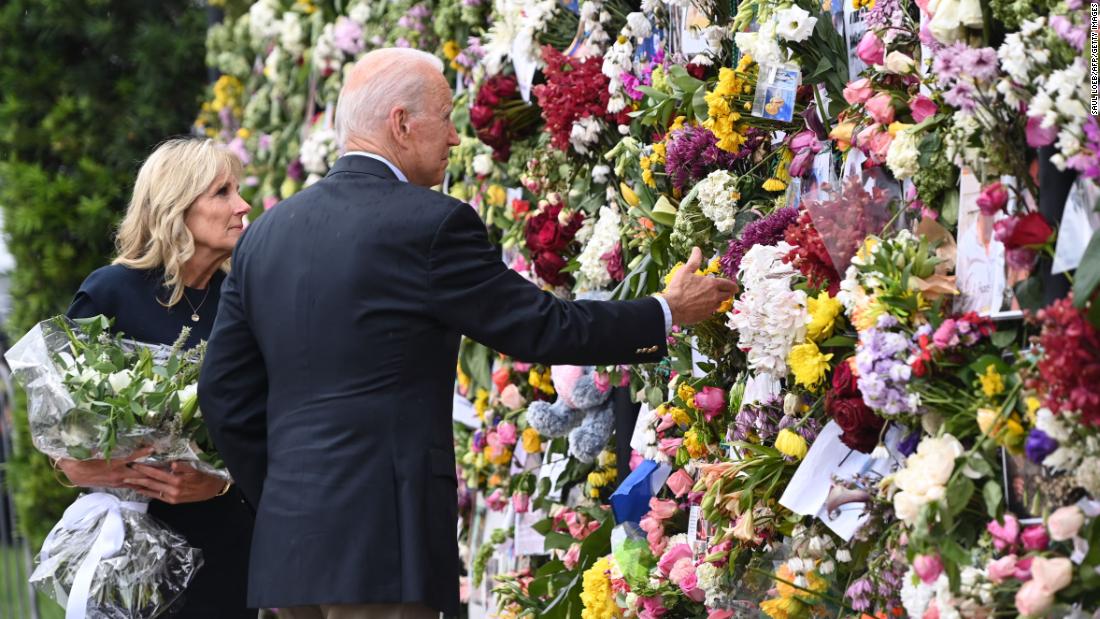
(903, 156)
(717, 197)
(915, 595)
(769, 316)
(585, 134)
(318, 151)
(1088, 475)
(593, 273)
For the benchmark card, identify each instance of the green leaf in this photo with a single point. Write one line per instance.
(958, 494)
(1087, 277)
(839, 341)
(993, 494)
(699, 104)
(1002, 339)
(560, 541)
(1029, 293)
(653, 93)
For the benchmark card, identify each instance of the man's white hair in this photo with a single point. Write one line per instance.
(363, 106)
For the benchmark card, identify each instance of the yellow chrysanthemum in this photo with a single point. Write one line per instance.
(679, 416)
(789, 443)
(596, 593)
(823, 312)
(774, 184)
(993, 383)
(243, 133)
(695, 447)
(481, 402)
(451, 49)
(686, 393)
(784, 608)
(532, 442)
(677, 124)
(808, 364)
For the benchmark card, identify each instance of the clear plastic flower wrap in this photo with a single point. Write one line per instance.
(108, 559)
(94, 395)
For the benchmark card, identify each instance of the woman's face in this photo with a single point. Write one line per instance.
(216, 219)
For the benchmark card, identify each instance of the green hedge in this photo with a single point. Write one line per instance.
(87, 89)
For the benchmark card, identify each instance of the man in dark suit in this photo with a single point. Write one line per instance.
(328, 379)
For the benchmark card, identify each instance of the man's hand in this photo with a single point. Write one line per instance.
(693, 298)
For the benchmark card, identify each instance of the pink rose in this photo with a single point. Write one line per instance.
(881, 108)
(1035, 537)
(1065, 522)
(496, 501)
(870, 49)
(1002, 569)
(521, 501)
(680, 482)
(571, 556)
(1049, 576)
(711, 401)
(602, 381)
(1004, 535)
(506, 431)
(1037, 135)
(858, 91)
(690, 586)
(928, 567)
(512, 398)
(652, 608)
(993, 198)
(922, 107)
(875, 143)
(720, 613)
(1023, 569)
(662, 509)
(669, 446)
(671, 557)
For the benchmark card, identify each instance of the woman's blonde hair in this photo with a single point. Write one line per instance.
(153, 234)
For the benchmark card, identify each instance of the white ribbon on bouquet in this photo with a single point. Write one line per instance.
(83, 514)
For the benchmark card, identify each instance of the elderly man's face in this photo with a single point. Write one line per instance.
(431, 134)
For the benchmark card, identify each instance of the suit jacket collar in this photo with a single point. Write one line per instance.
(362, 165)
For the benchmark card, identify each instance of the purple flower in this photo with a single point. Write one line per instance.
(295, 170)
(859, 594)
(1064, 28)
(882, 363)
(908, 445)
(961, 95)
(886, 18)
(692, 153)
(347, 34)
(1038, 446)
(766, 231)
(759, 421)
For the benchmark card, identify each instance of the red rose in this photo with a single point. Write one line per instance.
(844, 382)
(1030, 231)
(697, 71)
(993, 198)
(548, 266)
(860, 424)
(519, 207)
(543, 232)
(481, 116)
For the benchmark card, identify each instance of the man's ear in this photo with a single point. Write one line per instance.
(399, 124)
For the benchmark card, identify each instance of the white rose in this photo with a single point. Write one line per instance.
(794, 23)
(906, 506)
(899, 63)
(483, 165)
(120, 380)
(188, 392)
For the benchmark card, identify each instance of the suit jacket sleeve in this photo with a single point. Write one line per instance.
(472, 290)
(233, 393)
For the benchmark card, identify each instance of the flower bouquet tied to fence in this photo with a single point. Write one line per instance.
(92, 394)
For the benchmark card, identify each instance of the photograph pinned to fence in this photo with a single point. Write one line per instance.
(776, 90)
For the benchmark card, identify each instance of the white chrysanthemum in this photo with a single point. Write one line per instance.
(263, 22)
(593, 273)
(903, 156)
(638, 25)
(717, 197)
(327, 57)
(794, 23)
(585, 134)
(291, 33)
(318, 151)
(769, 316)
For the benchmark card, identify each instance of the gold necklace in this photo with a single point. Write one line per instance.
(194, 308)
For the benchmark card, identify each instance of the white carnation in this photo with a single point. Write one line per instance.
(717, 197)
(903, 156)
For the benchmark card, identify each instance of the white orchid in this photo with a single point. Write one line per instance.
(794, 23)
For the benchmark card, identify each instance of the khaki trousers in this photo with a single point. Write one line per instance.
(360, 611)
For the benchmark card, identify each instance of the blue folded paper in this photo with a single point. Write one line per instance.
(630, 501)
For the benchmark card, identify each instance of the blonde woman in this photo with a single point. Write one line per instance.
(174, 245)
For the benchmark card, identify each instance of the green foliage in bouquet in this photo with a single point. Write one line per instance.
(119, 390)
(89, 88)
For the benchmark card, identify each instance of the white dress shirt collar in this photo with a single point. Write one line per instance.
(396, 172)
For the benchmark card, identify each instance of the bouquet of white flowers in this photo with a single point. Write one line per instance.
(92, 394)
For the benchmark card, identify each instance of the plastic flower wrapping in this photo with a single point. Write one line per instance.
(896, 415)
(96, 395)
